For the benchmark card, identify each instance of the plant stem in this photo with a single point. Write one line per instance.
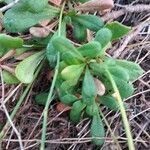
(123, 112)
(60, 18)
(16, 108)
(49, 99)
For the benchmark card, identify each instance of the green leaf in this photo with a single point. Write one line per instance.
(118, 30)
(133, 69)
(79, 32)
(91, 50)
(98, 69)
(97, 130)
(82, 1)
(91, 22)
(110, 102)
(125, 89)
(62, 65)
(62, 31)
(103, 36)
(68, 99)
(7, 41)
(109, 61)
(92, 110)
(41, 98)
(89, 90)
(62, 45)
(21, 50)
(76, 111)
(63, 28)
(37, 6)
(120, 78)
(9, 78)
(25, 69)
(58, 84)
(72, 72)
(70, 58)
(119, 72)
(67, 18)
(51, 54)
(66, 85)
(19, 19)
(38, 42)
(63, 93)
(3, 51)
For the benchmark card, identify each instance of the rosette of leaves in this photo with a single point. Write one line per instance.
(78, 68)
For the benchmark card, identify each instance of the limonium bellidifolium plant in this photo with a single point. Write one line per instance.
(85, 76)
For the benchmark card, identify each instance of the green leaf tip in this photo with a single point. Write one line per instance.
(97, 130)
(118, 30)
(25, 69)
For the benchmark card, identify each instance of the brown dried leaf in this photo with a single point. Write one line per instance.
(89, 35)
(49, 74)
(44, 23)
(24, 55)
(1, 27)
(42, 31)
(62, 108)
(56, 2)
(52, 25)
(39, 32)
(100, 87)
(96, 5)
(8, 55)
(9, 69)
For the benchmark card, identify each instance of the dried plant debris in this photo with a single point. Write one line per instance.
(96, 5)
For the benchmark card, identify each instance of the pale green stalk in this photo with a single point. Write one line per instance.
(49, 99)
(123, 112)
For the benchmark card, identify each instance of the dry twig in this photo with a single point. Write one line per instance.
(127, 8)
(10, 5)
(7, 114)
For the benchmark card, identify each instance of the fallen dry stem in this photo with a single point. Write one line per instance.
(7, 114)
(126, 9)
(10, 5)
(74, 140)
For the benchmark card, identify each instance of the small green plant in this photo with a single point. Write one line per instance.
(80, 71)
(76, 77)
